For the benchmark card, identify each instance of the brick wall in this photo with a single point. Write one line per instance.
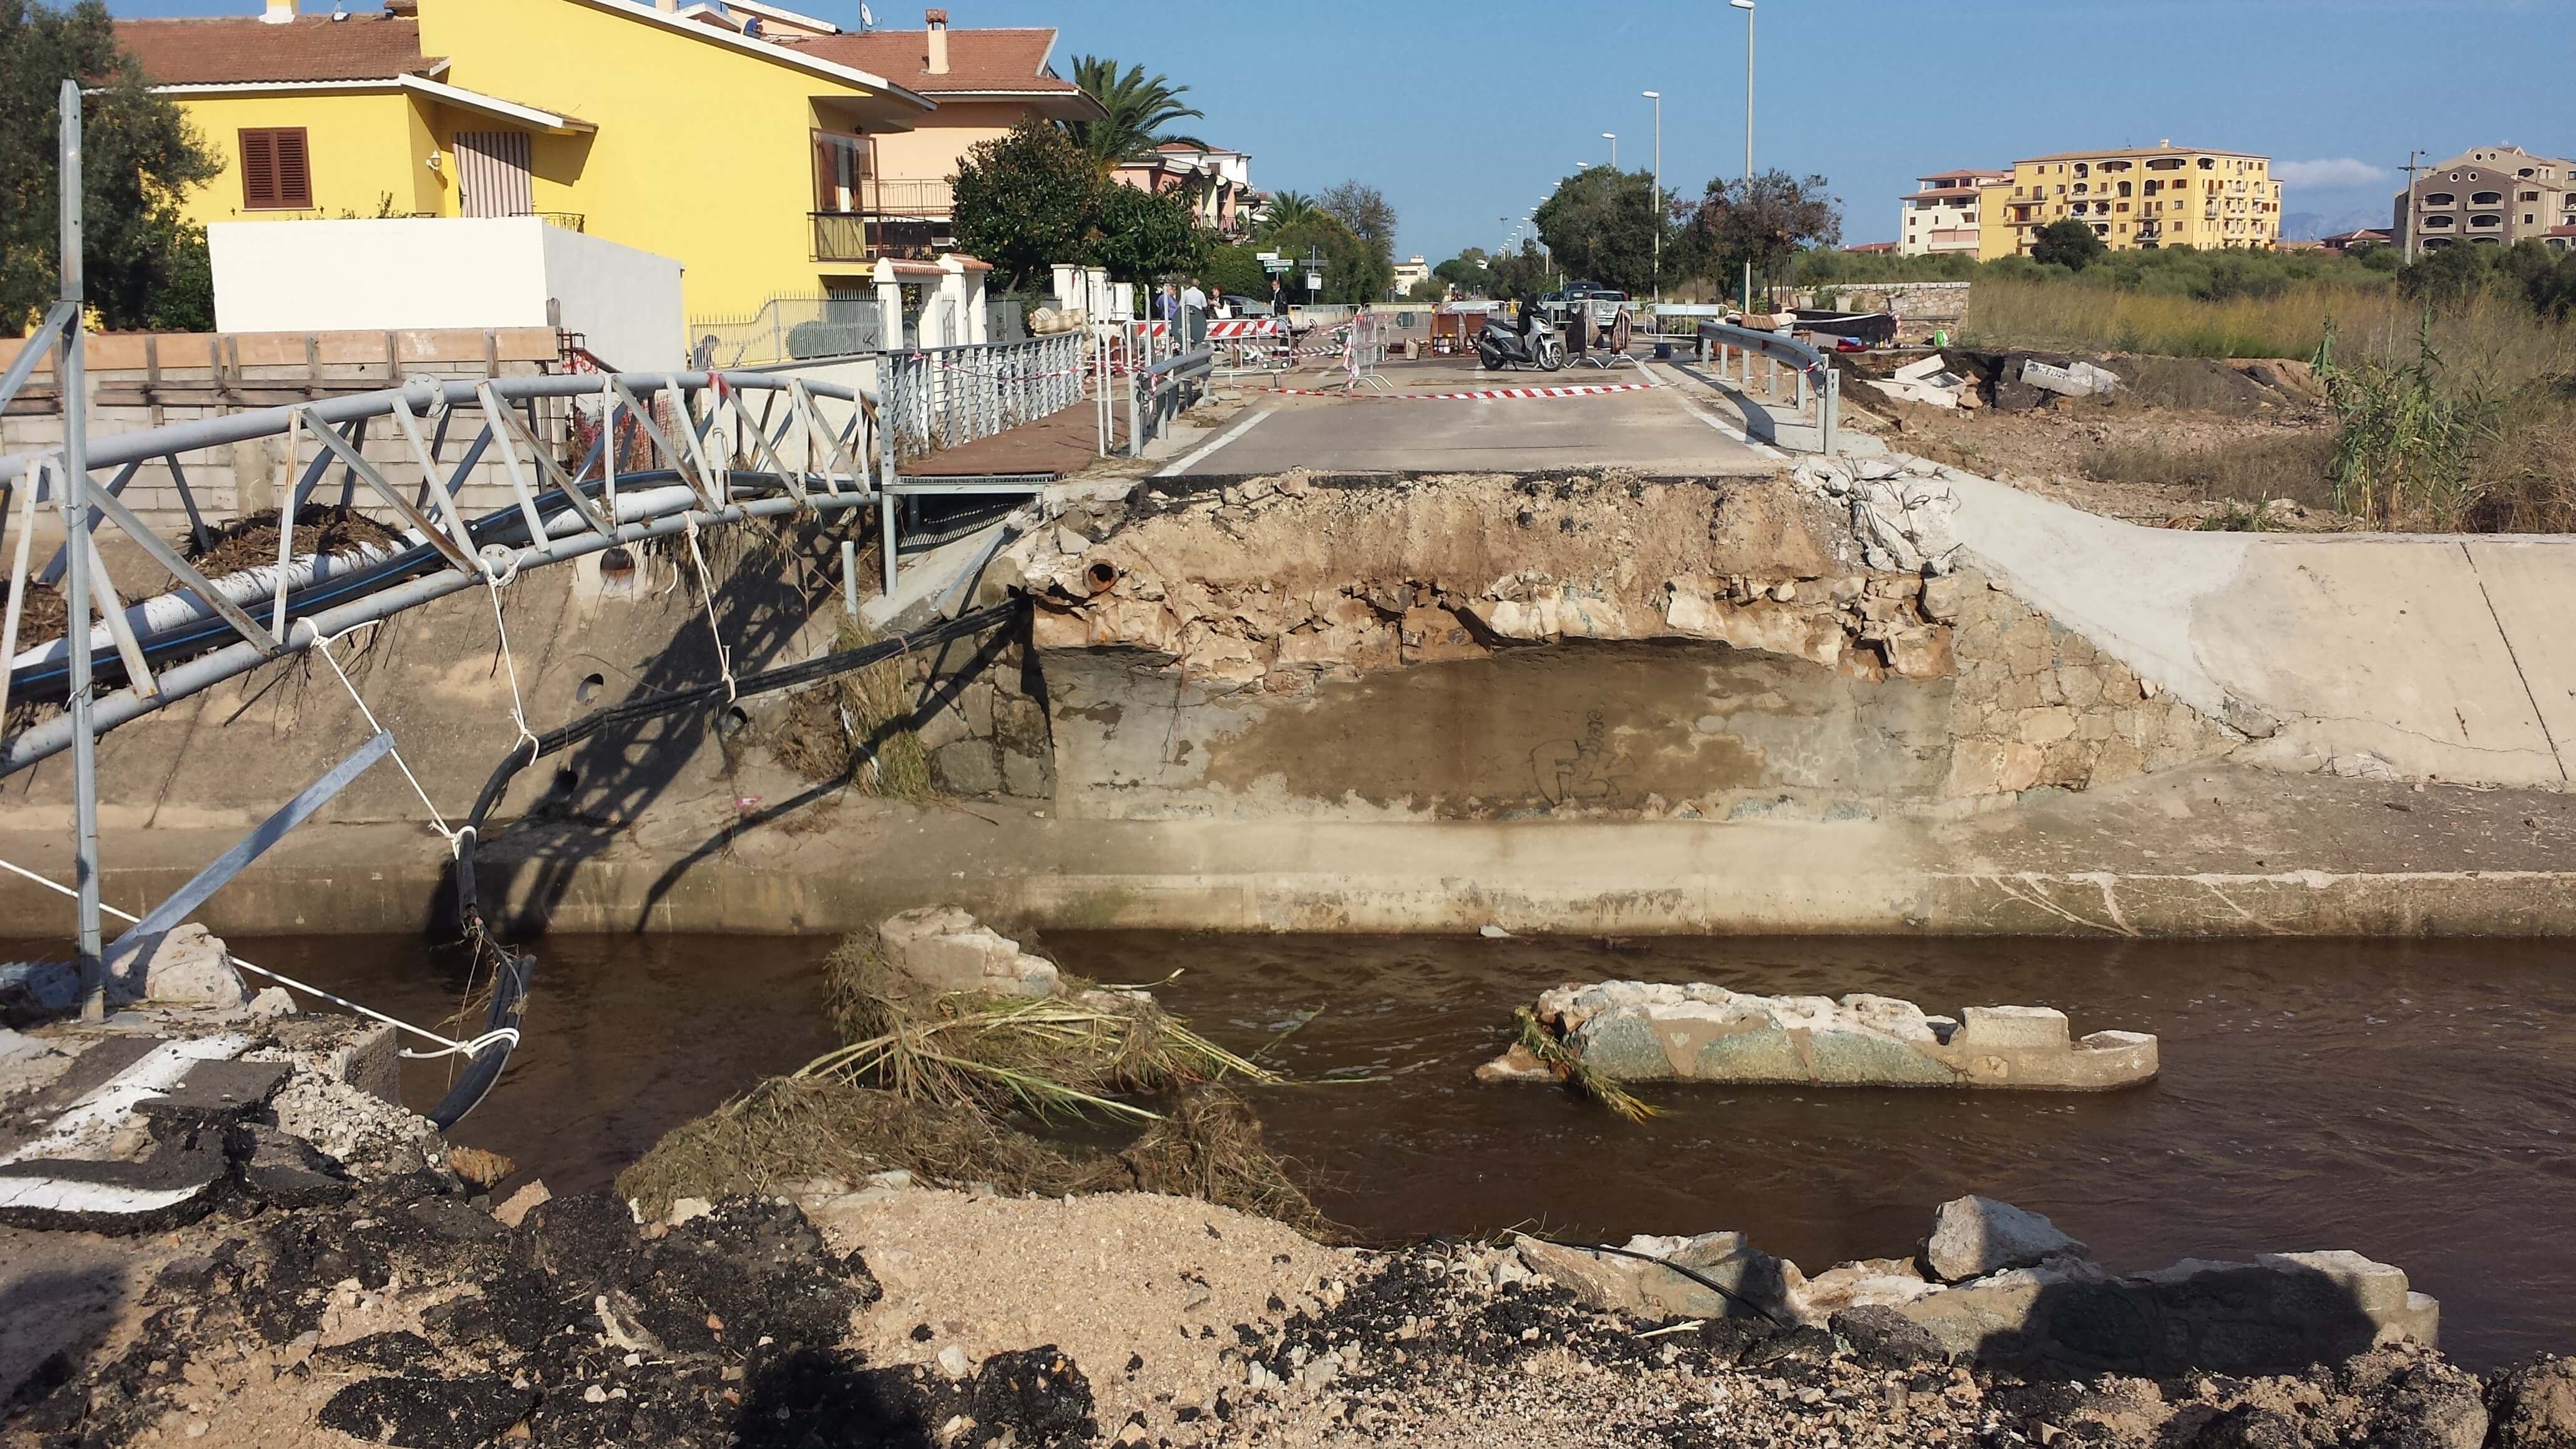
(149, 380)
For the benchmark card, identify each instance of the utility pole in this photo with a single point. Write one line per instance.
(68, 370)
(2411, 169)
(1747, 7)
(1613, 138)
(1655, 202)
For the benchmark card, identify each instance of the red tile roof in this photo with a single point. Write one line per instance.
(979, 61)
(215, 50)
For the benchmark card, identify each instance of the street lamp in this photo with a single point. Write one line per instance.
(1613, 138)
(1747, 7)
(1655, 202)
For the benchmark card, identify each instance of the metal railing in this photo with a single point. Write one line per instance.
(941, 397)
(1809, 370)
(1162, 391)
(930, 197)
(790, 329)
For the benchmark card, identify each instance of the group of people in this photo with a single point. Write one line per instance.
(1186, 305)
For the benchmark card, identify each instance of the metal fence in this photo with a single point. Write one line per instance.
(788, 328)
(943, 396)
(1810, 373)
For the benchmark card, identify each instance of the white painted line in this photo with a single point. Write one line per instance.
(1221, 439)
(1759, 450)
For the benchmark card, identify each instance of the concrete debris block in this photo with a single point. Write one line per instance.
(2363, 765)
(515, 1208)
(481, 1169)
(2076, 379)
(285, 1171)
(1874, 470)
(275, 1001)
(1637, 1031)
(688, 1209)
(954, 1362)
(1944, 597)
(1492, 932)
(1599, 1280)
(1872, 1282)
(1973, 1236)
(1926, 369)
(1519, 1064)
(946, 949)
(188, 965)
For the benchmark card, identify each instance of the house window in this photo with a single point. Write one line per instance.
(277, 170)
(841, 172)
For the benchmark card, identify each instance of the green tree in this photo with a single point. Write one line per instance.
(2448, 276)
(1601, 225)
(1140, 108)
(1364, 209)
(145, 265)
(1287, 209)
(1765, 220)
(2069, 243)
(1514, 275)
(1352, 273)
(1142, 236)
(1025, 201)
(1237, 269)
(1466, 272)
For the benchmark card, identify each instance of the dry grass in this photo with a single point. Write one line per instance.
(930, 1084)
(858, 727)
(251, 541)
(1578, 1078)
(2295, 465)
(2490, 336)
(1074, 1053)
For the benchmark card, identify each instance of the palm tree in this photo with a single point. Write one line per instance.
(1287, 209)
(1138, 109)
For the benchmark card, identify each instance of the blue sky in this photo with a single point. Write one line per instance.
(1870, 93)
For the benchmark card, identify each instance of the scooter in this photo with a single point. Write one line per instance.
(1535, 344)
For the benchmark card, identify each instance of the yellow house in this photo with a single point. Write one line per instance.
(745, 159)
(2137, 197)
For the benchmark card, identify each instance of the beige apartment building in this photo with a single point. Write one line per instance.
(2496, 195)
(1941, 214)
(2137, 197)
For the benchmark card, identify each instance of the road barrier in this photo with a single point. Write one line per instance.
(1363, 348)
(1482, 394)
(1808, 367)
(1254, 344)
(940, 397)
(1162, 390)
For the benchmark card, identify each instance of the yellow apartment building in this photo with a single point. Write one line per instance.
(2137, 197)
(741, 142)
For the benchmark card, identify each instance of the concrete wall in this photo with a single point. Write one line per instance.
(449, 272)
(2444, 657)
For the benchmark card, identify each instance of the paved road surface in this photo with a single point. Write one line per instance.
(1672, 429)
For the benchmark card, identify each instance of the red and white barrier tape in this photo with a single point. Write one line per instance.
(1589, 389)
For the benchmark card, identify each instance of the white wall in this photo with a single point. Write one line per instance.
(626, 302)
(378, 275)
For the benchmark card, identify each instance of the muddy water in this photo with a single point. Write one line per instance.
(2413, 1101)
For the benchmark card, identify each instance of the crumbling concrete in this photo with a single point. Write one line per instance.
(947, 950)
(1633, 1031)
(2038, 1301)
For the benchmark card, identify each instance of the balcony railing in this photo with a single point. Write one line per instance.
(841, 236)
(916, 197)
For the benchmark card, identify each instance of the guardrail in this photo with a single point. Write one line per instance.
(1162, 390)
(1809, 370)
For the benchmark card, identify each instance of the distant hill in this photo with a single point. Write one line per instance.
(2310, 225)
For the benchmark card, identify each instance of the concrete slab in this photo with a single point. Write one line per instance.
(2528, 584)
(1649, 431)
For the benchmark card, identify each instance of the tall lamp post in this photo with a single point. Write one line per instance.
(1613, 138)
(1747, 7)
(1655, 202)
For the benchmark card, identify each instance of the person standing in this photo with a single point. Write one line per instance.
(1194, 315)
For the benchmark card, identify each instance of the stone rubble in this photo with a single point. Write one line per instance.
(947, 950)
(1635, 1031)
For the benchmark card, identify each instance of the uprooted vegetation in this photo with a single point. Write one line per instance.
(945, 1085)
(857, 727)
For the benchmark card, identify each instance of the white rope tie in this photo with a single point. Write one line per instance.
(509, 662)
(447, 1046)
(436, 820)
(707, 592)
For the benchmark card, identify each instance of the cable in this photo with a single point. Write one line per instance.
(449, 1047)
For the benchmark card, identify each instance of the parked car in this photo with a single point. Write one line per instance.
(1236, 306)
(1603, 306)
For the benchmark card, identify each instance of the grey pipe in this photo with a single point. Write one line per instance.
(118, 449)
(39, 742)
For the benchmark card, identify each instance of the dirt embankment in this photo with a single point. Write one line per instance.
(2186, 442)
(905, 1316)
